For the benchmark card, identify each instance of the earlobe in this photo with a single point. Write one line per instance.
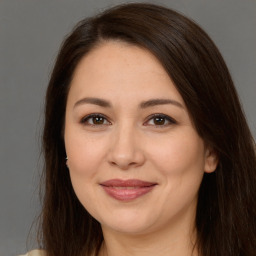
(211, 160)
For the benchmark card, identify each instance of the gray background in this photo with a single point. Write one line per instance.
(30, 34)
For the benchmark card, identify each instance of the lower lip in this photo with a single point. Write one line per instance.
(127, 194)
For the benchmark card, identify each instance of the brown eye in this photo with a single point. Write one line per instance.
(98, 120)
(95, 119)
(160, 120)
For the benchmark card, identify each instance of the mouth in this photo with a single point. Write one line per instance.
(127, 190)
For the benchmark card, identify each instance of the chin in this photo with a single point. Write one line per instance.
(128, 223)
(128, 228)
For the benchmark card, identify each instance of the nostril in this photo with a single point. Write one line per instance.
(123, 165)
(113, 163)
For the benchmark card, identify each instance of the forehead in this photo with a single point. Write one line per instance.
(117, 55)
(118, 67)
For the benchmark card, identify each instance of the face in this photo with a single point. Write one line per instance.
(135, 159)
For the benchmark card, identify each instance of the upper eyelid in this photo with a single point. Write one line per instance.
(94, 115)
(171, 119)
(163, 116)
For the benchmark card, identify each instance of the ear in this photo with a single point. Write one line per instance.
(211, 160)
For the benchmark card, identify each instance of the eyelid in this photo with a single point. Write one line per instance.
(170, 120)
(166, 117)
(87, 117)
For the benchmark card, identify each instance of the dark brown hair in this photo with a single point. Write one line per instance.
(226, 211)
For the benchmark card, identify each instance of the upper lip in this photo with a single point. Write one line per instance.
(127, 183)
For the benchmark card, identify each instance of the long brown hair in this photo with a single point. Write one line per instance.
(226, 211)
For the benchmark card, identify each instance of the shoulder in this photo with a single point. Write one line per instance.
(35, 253)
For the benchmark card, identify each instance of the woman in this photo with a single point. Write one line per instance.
(147, 150)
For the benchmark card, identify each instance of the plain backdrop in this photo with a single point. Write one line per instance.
(30, 34)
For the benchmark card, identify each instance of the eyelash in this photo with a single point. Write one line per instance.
(86, 119)
(161, 116)
(165, 118)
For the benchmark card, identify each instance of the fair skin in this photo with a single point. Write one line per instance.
(126, 120)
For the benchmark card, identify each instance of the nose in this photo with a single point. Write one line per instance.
(125, 150)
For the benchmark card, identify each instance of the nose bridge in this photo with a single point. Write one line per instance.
(125, 148)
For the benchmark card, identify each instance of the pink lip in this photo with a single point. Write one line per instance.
(127, 190)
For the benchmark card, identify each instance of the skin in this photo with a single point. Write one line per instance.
(127, 142)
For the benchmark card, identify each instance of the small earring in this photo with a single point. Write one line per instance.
(67, 161)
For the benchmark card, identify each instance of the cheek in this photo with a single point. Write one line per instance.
(84, 160)
(84, 152)
(180, 161)
(85, 156)
(181, 153)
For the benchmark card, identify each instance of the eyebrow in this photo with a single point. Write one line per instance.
(144, 104)
(95, 101)
(155, 102)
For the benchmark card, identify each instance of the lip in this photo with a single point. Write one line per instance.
(127, 190)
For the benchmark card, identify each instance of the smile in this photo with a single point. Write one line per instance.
(127, 190)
